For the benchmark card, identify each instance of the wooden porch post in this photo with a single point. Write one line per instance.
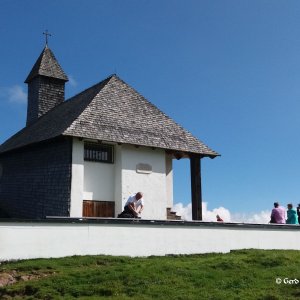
(196, 187)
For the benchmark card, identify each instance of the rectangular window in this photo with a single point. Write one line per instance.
(99, 152)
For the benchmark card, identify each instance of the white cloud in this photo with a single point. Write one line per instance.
(210, 215)
(262, 217)
(72, 81)
(185, 212)
(14, 94)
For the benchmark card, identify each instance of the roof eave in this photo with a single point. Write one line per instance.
(171, 150)
(30, 78)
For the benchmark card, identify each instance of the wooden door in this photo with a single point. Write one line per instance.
(104, 209)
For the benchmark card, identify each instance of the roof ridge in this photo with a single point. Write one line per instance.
(75, 97)
(158, 109)
(110, 108)
(101, 85)
(91, 87)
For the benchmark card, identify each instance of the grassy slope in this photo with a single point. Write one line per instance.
(247, 274)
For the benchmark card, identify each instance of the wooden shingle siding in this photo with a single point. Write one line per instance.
(36, 181)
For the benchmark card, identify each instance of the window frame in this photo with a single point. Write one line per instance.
(98, 152)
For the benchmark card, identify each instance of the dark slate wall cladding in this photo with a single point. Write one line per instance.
(44, 93)
(36, 182)
(32, 106)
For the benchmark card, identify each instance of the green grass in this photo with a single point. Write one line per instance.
(247, 274)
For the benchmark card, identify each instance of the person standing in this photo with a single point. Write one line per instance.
(278, 214)
(298, 212)
(292, 217)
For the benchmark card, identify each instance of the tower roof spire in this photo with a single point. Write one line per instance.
(47, 65)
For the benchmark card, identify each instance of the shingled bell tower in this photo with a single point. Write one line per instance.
(46, 86)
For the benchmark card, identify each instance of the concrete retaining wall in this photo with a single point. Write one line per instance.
(59, 238)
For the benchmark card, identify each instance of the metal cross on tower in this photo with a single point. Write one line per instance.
(46, 33)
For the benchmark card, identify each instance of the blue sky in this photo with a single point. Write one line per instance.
(228, 71)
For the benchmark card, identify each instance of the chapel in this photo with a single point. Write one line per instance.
(84, 156)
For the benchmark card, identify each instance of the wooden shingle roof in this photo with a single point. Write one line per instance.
(110, 111)
(47, 65)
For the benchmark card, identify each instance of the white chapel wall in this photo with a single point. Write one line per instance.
(99, 181)
(90, 180)
(116, 182)
(153, 184)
